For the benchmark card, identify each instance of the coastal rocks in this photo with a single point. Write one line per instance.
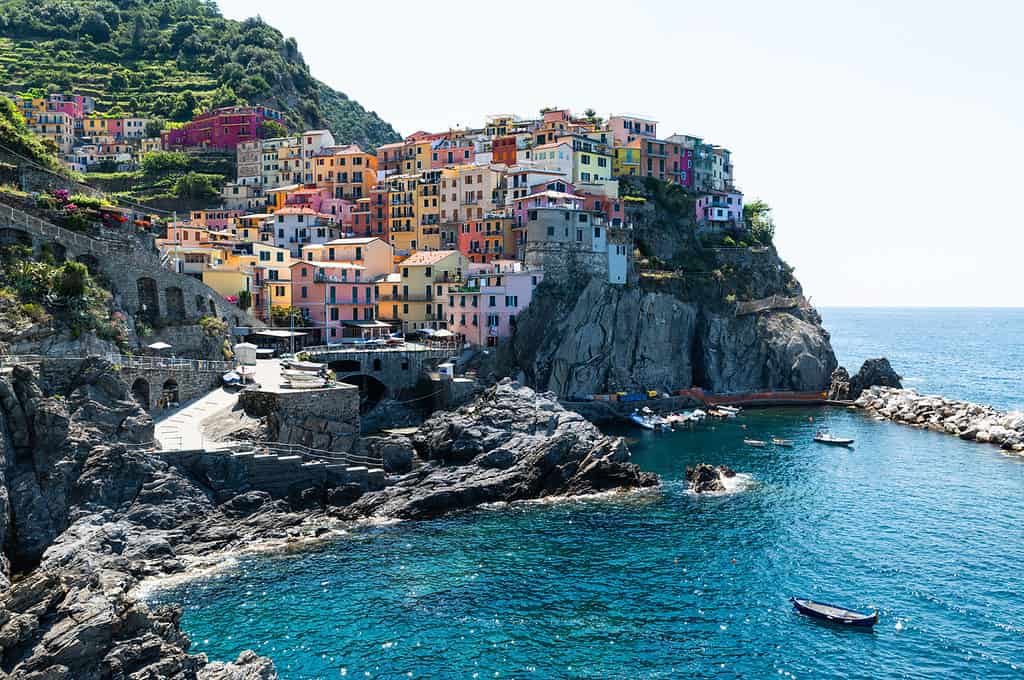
(248, 666)
(704, 478)
(510, 444)
(874, 372)
(972, 422)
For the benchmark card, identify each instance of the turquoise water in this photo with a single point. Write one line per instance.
(925, 527)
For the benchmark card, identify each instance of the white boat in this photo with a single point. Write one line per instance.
(788, 443)
(824, 437)
(759, 443)
(729, 409)
(643, 421)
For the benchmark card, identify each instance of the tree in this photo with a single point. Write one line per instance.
(244, 300)
(758, 216)
(184, 106)
(271, 129)
(154, 127)
(195, 186)
(286, 316)
(96, 27)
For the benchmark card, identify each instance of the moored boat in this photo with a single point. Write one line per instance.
(833, 613)
(760, 443)
(824, 437)
(788, 443)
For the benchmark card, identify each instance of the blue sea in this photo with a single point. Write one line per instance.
(924, 527)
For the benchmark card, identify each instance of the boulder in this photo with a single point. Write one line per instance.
(704, 478)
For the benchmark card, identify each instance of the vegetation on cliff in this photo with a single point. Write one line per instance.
(169, 59)
(16, 136)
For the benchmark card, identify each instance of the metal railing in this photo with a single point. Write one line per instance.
(307, 453)
(123, 361)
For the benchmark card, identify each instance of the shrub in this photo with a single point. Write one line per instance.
(35, 312)
(74, 277)
(213, 326)
(729, 242)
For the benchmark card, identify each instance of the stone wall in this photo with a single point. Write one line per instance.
(325, 419)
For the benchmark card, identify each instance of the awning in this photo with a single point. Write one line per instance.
(366, 324)
(279, 334)
(443, 334)
(159, 345)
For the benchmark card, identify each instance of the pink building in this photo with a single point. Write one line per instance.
(221, 128)
(336, 298)
(445, 152)
(75, 105)
(720, 211)
(611, 208)
(626, 129)
(484, 309)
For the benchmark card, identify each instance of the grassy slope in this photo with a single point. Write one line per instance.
(168, 59)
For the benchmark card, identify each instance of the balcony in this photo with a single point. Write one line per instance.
(406, 297)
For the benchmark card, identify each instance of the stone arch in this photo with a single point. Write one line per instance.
(170, 394)
(140, 390)
(90, 262)
(57, 250)
(175, 304)
(149, 298)
(371, 390)
(343, 366)
(15, 237)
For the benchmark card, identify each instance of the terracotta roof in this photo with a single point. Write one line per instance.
(425, 257)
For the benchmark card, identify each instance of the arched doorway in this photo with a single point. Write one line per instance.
(175, 304)
(170, 397)
(140, 390)
(149, 298)
(371, 390)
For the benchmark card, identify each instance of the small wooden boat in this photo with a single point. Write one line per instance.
(788, 443)
(824, 437)
(759, 443)
(830, 612)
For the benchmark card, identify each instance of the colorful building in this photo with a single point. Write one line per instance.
(483, 309)
(415, 298)
(221, 128)
(333, 296)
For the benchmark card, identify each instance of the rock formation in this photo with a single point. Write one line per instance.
(960, 418)
(610, 338)
(874, 372)
(703, 478)
(88, 514)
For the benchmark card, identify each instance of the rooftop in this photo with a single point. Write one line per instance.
(427, 257)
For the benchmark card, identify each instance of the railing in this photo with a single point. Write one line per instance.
(15, 217)
(124, 361)
(309, 454)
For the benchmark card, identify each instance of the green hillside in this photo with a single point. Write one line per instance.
(170, 59)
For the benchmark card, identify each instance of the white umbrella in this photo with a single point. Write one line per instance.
(159, 345)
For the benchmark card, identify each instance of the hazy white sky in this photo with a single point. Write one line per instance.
(888, 136)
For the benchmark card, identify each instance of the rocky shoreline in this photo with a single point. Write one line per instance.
(972, 422)
(89, 515)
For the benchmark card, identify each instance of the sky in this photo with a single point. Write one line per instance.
(887, 136)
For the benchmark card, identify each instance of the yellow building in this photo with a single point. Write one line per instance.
(402, 212)
(348, 171)
(415, 295)
(246, 228)
(468, 192)
(229, 281)
(427, 203)
(626, 162)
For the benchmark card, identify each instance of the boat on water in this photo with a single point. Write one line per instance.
(646, 420)
(788, 443)
(759, 443)
(729, 409)
(824, 437)
(833, 613)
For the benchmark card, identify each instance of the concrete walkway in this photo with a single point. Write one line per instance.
(178, 429)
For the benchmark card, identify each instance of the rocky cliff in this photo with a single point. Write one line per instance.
(666, 332)
(87, 513)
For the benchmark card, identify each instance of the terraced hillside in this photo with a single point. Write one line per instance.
(169, 59)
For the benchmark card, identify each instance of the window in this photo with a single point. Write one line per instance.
(579, 235)
(597, 232)
(304, 292)
(511, 300)
(492, 302)
(280, 257)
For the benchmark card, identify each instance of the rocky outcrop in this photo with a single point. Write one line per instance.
(704, 478)
(874, 372)
(608, 338)
(962, 419)
(92, 514)
(510, 444)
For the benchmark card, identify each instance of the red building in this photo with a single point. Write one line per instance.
(221, 128)
(504, 150)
